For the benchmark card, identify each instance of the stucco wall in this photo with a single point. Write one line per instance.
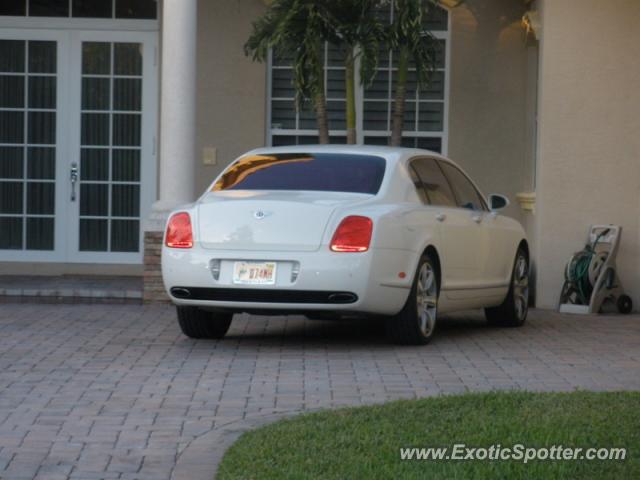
(491, 83)
(589, 134)
(231, 92)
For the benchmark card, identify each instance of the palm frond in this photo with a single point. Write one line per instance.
(407, 31)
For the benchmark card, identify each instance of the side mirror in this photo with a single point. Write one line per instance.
(497, 202)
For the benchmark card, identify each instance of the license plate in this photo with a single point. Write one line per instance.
(254, 273)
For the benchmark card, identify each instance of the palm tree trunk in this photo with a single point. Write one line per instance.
(400, 97)
(350, 83)
(320, 106)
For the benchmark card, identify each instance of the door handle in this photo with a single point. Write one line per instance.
(441, 217)
(73, 176)
(477, 218)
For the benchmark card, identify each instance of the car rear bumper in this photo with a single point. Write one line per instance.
(305, 281)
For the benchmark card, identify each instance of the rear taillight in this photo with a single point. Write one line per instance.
(353, 235)
(179, 232)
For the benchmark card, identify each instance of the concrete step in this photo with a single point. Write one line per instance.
(70, 289)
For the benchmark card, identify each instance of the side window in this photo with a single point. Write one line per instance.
(467, 195)
(418, 184)
(435, 183)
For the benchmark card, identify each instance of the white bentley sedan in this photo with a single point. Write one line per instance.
(340, 232)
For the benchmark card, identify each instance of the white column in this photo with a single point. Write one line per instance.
(178, 109)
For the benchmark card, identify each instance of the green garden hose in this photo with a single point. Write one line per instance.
(581, 270)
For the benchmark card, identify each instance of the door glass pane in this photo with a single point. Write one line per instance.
(42, 128)
(42, 92)
(96, 58)
(125, 200)
(48, 8)
(94, 200)
(125, 235)
(11, 91)
(110, 175)
(11, 127)
(41, 163)
(92, 8)
(95, 93)
(136, 9)
(40, 233)
(94, 164)
(14, 8)
(40, 198)
(11, 162)
(11, 197)
(27, 122)
(126, 165)
(95, 129)
(126, 129)
(128, 58)
(126, 94)
(12, 56)
(11, 228)
(42, 57)
(93, 235)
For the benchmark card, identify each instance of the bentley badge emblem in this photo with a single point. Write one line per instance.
(259, 215)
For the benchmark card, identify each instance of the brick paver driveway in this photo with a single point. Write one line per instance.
(117, 392)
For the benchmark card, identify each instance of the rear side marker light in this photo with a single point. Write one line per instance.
(352, 235)
(179, 232)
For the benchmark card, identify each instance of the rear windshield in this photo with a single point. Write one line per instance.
(324, 172)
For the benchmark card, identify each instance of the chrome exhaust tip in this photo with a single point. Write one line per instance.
(180, 292)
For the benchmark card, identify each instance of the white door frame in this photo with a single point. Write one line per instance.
(68, 91)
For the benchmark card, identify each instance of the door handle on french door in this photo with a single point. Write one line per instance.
(441, 217)
(477, 218)
(73, 176)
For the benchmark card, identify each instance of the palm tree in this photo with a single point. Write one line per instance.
(296, 29)
(410, 41)
(355, 27)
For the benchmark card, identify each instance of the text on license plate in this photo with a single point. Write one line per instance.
(254, 273)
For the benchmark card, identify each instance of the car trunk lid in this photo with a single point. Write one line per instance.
(268, 220)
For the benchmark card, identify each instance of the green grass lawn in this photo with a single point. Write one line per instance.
(365, 442)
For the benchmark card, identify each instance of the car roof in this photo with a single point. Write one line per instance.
(389, 153)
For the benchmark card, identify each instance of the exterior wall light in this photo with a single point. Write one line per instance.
(532, 24)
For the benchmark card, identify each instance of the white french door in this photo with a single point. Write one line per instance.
(112, 162)
(78, 115)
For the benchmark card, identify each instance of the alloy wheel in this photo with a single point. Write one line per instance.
(427, 299)
(521, 287)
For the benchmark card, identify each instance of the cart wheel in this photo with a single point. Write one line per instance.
(624, 304)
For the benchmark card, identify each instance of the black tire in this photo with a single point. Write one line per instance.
(197, 323)
(409, 327)
(624, 304)
(514, 309)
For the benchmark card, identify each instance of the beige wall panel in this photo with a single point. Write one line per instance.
(489, 134)
(589, 135)
(231, 88)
